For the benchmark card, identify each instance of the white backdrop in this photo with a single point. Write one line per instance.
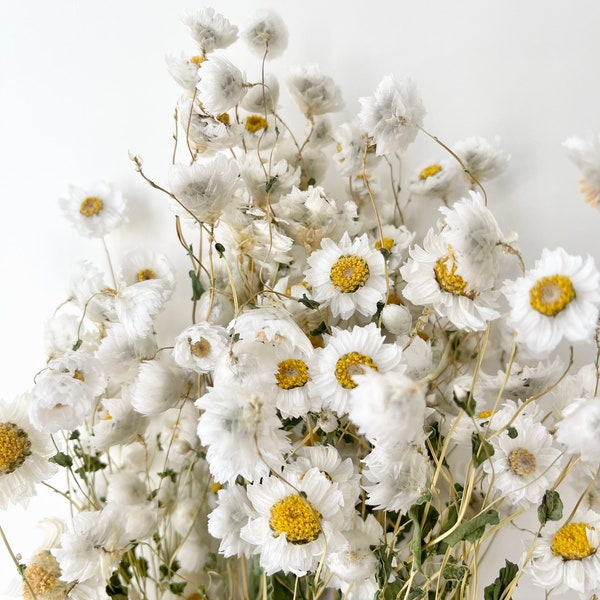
(82, 83)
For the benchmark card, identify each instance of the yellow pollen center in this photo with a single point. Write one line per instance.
(255, 123)
(522, 462)
(292, 373)
(449, 280)
(571, 542)
(215, 487)
(297, 518)
(224, 118)
(430, 171)
(388, 244)
(199, 349)
(79, 376)
(485, 414)
(91, 206)
(146, 274)
(351, 364)
(197, 60)
(550, 295)
(15, 447)
(349, 273)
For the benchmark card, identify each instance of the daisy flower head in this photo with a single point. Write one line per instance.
(94, 211)
(393, 115)
(559, 298)
(266, 34)
(315, 93)
(263, 96)
(24, 454)
(349, 352)
(222, 85)
(579, 428)
(566, 556)
(433, 277)
(585, 153)
(298, 520)
(436, 180)
(352, 148)
(146, 265)
(210, 30)
(523, 467)
(200, 346)
(184, 71)
(203, 188)
(482, 159)
(348, 277)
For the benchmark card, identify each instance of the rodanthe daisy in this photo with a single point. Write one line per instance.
(347, 277)
(557, 299)
(586, 155)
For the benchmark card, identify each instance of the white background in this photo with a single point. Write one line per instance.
(82, 83)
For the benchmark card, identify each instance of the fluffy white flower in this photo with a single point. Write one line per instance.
(296, 523)
(352, 150)
(559, 298)
(347, 277)
(200, 346)
(24, 454)
(185, 71)
(585, 153)
(482, 159)
(316, 93)
(262, 96)
(579, 428)
(210, 29)
(222, 85)
(144, 264)
(349, 352)
(203, 188)
(266, 34)
(432, 276)
(566, 557)
(396, 318)
(393, 115)
(94, 211)
(438, 180)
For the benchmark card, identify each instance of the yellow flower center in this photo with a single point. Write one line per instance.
(215, 487)
(297, 518)
(78, 375)
(43, 576)
(485, 414)
(349, 273)
(550, 295)
(91, 206)
(351, 364)
(199, 349)
(430, 171)
(522, 462)
(197, 60)
(388, 244)
(224, 118)
(571, 542)
(292, 373)
(449, 280)
(146, 274)
(15, 447)
(255, 123)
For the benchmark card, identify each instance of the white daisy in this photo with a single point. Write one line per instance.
(203, 188)
(24, 454)
(200, 346)
(262, 97)
(482, 159)
(585, 153)
(566, 557)
(353, 150)
(266, 34)
(347, 277)
(184, 71)
(437, 180)
(95, 211)
(222, 85)
(349, 352)
(524, 466)
(242, 431)
(559, 298)
(210, 30)
(393, 115)
(432, 276)
(579, 428)
(297, 522)
(145, 264)
(316, 93)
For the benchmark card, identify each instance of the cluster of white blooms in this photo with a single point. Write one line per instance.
(352, 405)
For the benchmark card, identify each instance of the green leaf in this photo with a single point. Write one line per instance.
(512, 432)
(313, 304)
(197, 289)
(177, 588)
(321, 328)
(172, 475)
(472, 530)
(77, 345)
(506, 574)
(551, 508)
(115, 588)
(220, 249)
(91, 464)
(74, 434)
(468, 404)
(455, 574)
(311, 181)
(271, 183)
(481, 450)
(386, 253)
(62, 460)
(424, 517)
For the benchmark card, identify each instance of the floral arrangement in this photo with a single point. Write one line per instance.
(361, 402)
